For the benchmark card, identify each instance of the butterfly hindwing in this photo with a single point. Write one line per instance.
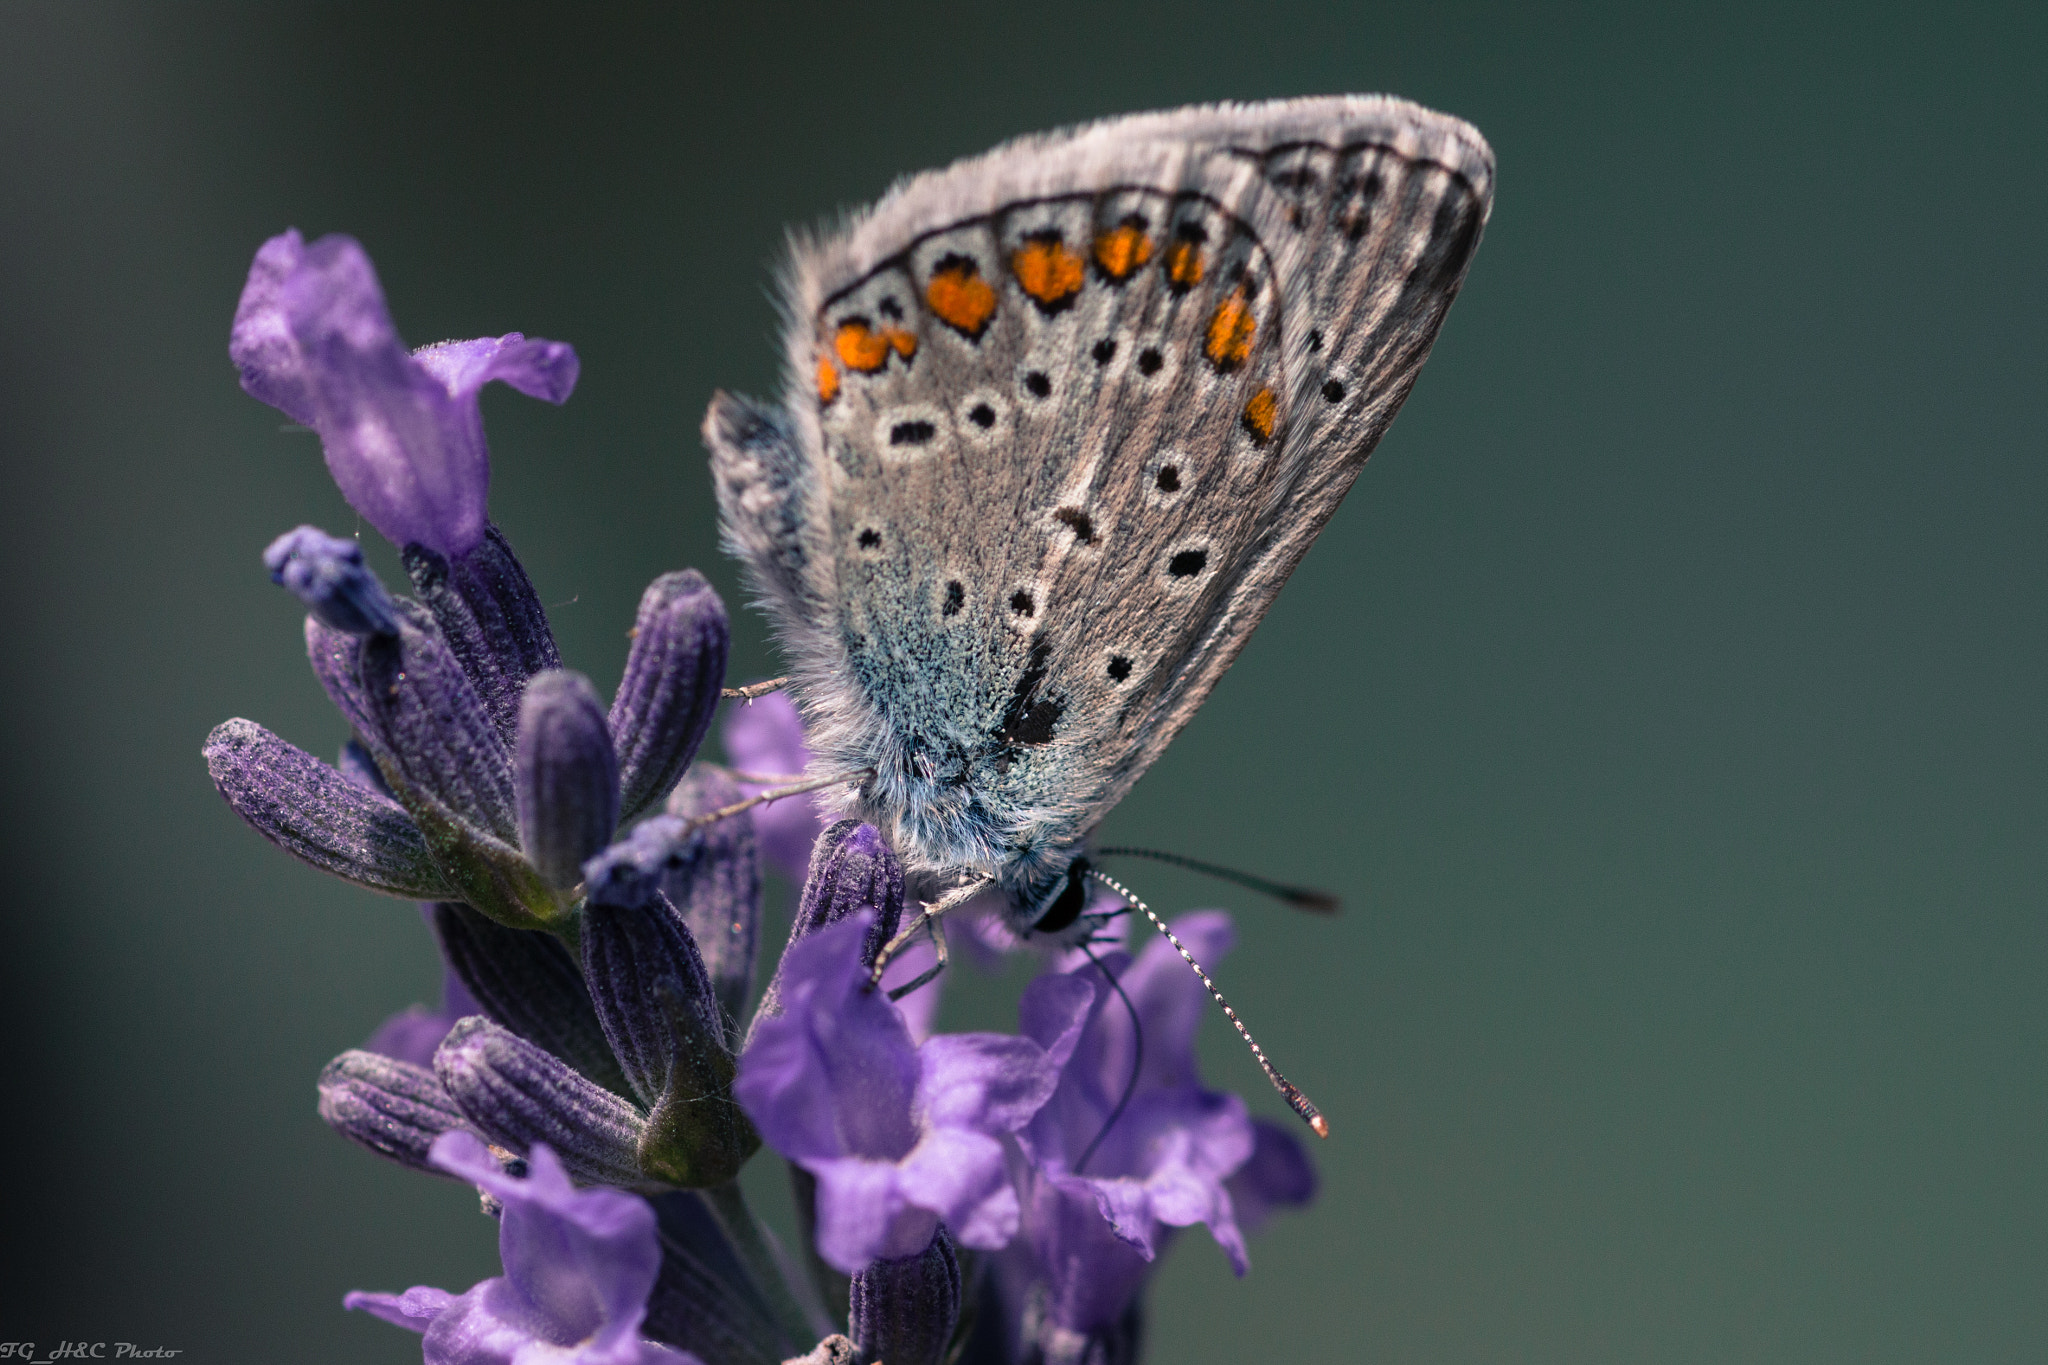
(1061, 421)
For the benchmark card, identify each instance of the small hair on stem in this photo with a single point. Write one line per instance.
(1289, 1091)
(1300, 897)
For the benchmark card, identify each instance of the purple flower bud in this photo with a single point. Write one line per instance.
(402, 433)
(526, 980)
(491, 619)
(669, 1034)
(337, 662)
(317, 815)
(517, 1095)
(904, 1311)
(568, 777)
(631, 871)
(393, 1108)
(717, 887)
(853, 871)
(329, 576)
(670, 689)
(426, 721)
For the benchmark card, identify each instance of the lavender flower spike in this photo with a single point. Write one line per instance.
(578, 1268)
(899, 1137)
(402, 433)
(327, 573)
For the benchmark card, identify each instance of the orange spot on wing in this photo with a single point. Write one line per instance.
(1123, 249)
(1230, 332)
(1047, 271)
(828, 380)
(902, 342)
(860, 347)
(1260, 414)
(1184, 265)
(959, 295)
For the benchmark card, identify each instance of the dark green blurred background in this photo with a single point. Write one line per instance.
(1666, 702)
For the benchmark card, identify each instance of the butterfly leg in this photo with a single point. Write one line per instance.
(753, 690)
(927, 916)
(937, 929)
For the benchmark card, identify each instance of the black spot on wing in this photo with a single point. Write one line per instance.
(1030, 717)
(1079, 522)
(956, 597)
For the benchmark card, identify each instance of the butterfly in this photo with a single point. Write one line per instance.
(1058, 422)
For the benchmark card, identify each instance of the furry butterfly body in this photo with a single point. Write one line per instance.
(1059, 422)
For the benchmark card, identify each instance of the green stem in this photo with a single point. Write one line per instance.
(756, 1251)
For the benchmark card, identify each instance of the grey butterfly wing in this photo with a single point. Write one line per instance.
(1061, 421)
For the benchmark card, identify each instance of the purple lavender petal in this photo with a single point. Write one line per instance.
(527, 981)
(414, 1310)
(430, 726)
(312, 812)
(1095, 1276)
(989, 1082)
(327, 573)
(491, 619)
(853, 871)
(837, 1073)
(766, 736)
(392, 1107)
(412, 1035)
(546, 370)
(962, 1176)
(864, 1214)
(716, 885)
(579, 1265)
(1279, 1175)
(567, 776)
(670, 689)
(903, 1311)
(402, 435)
(518, 1095)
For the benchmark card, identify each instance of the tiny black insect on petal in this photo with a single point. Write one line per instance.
(1188, 563)
(1038, 383)
(982, 415)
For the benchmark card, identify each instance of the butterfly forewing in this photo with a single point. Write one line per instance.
(1063, 420)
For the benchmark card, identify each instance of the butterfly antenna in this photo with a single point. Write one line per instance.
(1289, 1091)
(1137, 1063)
(1300, 897)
